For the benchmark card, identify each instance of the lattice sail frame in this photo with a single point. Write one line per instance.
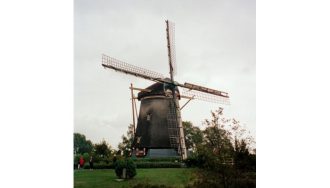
(110, 62)
(171, 35)
(208, 97)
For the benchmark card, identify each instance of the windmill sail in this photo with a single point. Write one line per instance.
(203, 93)
(170, 31)
(159, 125)
(112, 63)
(175, 128)
(208, 97)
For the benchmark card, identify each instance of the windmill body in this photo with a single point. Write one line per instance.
(159, 130)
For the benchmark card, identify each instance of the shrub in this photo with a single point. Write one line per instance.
(192, 162)
(86, 157)
(203, 159)
(127, 164)
(130, 168)
(119, 166)
(86, 166)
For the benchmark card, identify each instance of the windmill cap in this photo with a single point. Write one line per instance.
(156, 89)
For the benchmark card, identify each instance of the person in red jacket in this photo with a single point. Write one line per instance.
(81, 162)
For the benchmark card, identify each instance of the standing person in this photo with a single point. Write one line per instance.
(78, 163)
(81, 162)
(91, 161)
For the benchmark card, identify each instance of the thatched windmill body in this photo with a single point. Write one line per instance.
(159, 128)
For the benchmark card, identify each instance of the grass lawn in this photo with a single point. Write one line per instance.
(176, 177)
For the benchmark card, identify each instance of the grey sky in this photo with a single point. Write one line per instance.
(215, 47)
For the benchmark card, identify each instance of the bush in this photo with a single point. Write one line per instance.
(86, 166)
(130, 168)
(119, 166)
(127, 164)
(86, 157)
(203, 159)
(192, 162)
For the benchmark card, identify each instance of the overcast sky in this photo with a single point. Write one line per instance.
(215, 48)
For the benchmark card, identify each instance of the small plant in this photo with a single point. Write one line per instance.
(127, 165)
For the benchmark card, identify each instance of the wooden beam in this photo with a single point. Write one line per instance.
(187, 102)
(132, 96)
(186, 97)
(139, 89)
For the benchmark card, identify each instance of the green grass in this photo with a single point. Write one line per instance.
(176, 177)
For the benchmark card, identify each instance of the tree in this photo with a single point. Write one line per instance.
(224, 142)
(126, 144)
(193, 135)
(81, 145)
(216, 137)
(103, 149)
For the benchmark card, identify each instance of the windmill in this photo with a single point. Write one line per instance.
(159, 128)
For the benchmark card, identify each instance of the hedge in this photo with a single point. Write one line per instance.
(139, 164)
(161, 159)
(158, 165)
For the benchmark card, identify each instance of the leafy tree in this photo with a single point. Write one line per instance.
(193, 135)
(216, 137)
(224, 142)
(126, 144)
(81, 145)
(103, 149)
(86, 157)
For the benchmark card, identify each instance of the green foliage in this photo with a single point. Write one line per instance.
(76, 159)
(119, 166)
(81, 145)
(126, 144)
(193, 135)
(86, 166)
(131, 168)
(148, 185)
(160, 159)
(102, 150)
(158, 165)
(216, 137)
(103, 166)
(223, 155)
(127, 164)
(244, 160)
(103, 159)
(194, 161)
(86, 157)
(207, 179)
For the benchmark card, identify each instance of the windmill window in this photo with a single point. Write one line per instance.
(168, 92)
(148, 117)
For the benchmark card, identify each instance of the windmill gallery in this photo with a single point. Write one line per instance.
(159, 130)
